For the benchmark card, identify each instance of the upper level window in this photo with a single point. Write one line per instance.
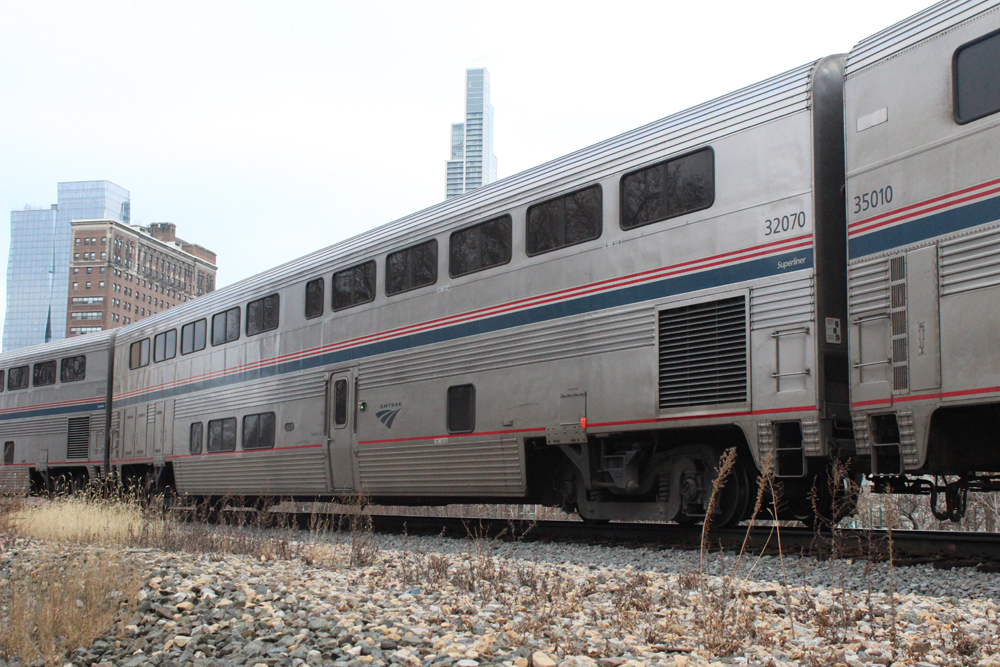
(193, 336)
(262, 315)
(1, 381)
(354, 286)
(411, 268)
(17, 378)
(668, 189)
(44, 373)
(314, 298)
(72, 369)
(226, 326)
(976, 78)
(564, 221)
(480, 247)
(139, 354)
(165, 345)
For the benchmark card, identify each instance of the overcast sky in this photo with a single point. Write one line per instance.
(266, 130)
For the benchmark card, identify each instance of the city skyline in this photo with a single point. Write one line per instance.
(38, 263)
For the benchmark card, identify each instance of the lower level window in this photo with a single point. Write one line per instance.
(462, 408)
(197, 437)
(258, 431)
(222, 435)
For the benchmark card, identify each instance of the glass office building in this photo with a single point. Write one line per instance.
(472, 164)
(40, 252)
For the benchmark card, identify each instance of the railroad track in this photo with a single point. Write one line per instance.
(944, 549)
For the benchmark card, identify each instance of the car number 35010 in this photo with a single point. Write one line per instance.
(785, 223)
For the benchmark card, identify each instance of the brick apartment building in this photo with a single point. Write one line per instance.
(121, 273)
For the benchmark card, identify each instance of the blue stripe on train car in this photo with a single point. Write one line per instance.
(48, 412)
(937, 224)
(712, 278)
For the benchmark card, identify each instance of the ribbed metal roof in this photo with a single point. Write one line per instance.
(773, 98)
(928, 24)
(56, 349)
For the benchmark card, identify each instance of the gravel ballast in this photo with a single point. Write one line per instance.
(440, 602)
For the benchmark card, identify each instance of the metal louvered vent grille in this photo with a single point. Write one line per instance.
(78, 438)
(703, 354)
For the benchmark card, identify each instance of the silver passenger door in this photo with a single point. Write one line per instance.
(340, 428)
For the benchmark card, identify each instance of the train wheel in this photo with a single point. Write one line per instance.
(735, 500)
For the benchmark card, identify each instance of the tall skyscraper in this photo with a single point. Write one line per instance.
(472, 164)
(40, 251)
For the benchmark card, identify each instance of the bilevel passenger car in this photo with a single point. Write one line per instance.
(593, 332)
(923, 191)
(53, 411)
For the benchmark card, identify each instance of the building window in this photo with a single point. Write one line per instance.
(480, 247)
(411, 268)
(139, 354)
(197, 436)
(165, 345)
(226, 326)
(76, 256)
(77, 240)
(88, 285)
(314, 298)
(101, 284)
(75, 285)
(668, 189)
(262, 315)
(564, 221)
(44, 373)
(72, 369)
(17, 378)
(104, 255)
(222, 435)
(258, 431)
(976, 79)
(462, 408)
(354, 286)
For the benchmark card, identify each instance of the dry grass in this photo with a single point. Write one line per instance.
(84, 520)
(48, 610)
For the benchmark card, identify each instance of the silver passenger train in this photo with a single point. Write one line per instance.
(595, 332)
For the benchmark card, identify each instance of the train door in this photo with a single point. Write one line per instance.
(923, 318)
(165, 426)
(142, 429)
(157, 427)
(340, 428)
(128, 433)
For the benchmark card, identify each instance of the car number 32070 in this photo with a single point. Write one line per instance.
(785, 223)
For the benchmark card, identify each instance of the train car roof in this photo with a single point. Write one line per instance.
(91, 342)
(773, 98)
(913, 31)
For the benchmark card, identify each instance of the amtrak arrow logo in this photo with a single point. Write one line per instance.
(387, 416)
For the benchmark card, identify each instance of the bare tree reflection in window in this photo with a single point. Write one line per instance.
(668, 189)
